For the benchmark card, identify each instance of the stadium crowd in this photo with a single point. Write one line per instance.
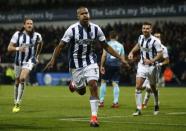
(22, 5)
(173, 36)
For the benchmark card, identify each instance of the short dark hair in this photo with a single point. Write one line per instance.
(81, 7)
(113, 34)
(147, 23)
(25, 19)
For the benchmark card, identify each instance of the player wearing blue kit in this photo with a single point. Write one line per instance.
(27, 45)
(81, 38)
(110, 70)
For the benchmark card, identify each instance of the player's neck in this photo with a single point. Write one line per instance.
(85, 25)
(147, 36)
(28, 32)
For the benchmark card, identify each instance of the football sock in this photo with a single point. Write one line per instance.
(146, 98)
(20, 92)
(94, 105)
(116, 91)
(138, 99)
(156, 97)
(16, 86)
(102, 92)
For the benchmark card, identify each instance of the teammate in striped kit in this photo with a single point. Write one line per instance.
(150, 53)
(163, 62)
(81, 37)
(110, 68)
(27, 44)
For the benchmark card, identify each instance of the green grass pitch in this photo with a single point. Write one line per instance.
(56, 108)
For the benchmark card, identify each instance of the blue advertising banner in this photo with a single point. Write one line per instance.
(96, 13)
(53, 78)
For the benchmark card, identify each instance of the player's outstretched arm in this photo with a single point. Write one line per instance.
(135, 49)
(38, 50)
(110, 50)
(103, 59)
(56, 53)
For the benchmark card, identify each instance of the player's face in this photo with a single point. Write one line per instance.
(146, 30)
(28, 25)
(157, 35)
(83, 16)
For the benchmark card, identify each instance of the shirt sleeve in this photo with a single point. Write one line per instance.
(67, 35)
(157, 45)
(101, 36)
(14, 37)
(122, 50)
(165, 53)
(139, 38)
(40, 39)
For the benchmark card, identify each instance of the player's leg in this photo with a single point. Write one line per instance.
(147, 93)
(116, 91)
(23, 76)
(26, 68)
(78, 83)
(115, 76)
(140, 78)
(153, 80)
(17, 70)
(91, 74)
(94, 101)
(102, 93)
(138, 95)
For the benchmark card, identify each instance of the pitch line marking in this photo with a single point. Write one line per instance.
(176, 113)
(119, 122)
(85, 119)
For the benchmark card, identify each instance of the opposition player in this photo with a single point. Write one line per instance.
(110, 68)
(164, 61)
(150, 53)
(81, 38)
(27, 45)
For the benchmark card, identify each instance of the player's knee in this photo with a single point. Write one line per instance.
(115, 84)
(93, 85)
(138, 91)
(139, 87)
(148, 90)
(82, 90)
(22, 79)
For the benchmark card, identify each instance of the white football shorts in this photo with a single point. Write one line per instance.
(82, 75)
(146, 71)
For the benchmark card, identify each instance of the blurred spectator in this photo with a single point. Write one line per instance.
(22, 5)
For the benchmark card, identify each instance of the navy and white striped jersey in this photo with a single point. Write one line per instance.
(148, 47)
(81, 40)
(164, 51)
(29, 42)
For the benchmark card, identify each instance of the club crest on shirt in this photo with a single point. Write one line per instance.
(146, 49)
